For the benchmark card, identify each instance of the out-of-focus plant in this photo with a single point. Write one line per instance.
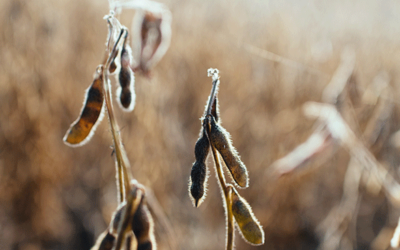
(132, 224)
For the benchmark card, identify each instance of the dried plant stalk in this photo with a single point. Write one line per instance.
(132, 218)
(345, 136)
(340, 77)
(336, 223)
(317, 143)
(215, 136)
(133, 200)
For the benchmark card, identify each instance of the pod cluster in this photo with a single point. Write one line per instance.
(137, 223)
(151, 39)
(212, 134)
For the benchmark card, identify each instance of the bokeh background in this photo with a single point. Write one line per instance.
(56, 197)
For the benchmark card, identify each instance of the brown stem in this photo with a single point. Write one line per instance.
(123, 164)
(227, 191)
(213, 94)
(120, 182)
(133, 199)
(230, 230)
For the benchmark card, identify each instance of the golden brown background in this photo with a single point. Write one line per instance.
(56, 197)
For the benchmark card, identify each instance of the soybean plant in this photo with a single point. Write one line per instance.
(214, 136)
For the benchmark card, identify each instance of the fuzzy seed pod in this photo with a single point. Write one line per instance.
(220, 139)
(130, 242)
(116, 218)
(104, 242)
(126, 93)
(198, 176)
(143, 228)
(152, 40)
(83, 128)
(250, 228)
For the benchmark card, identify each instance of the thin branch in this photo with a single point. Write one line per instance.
(280, 59)
(133, 200)
(120, 153)
(227, 198)
(214, 73)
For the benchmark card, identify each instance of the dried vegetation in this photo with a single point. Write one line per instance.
(273, 57)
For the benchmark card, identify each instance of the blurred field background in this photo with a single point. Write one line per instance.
(56, 197)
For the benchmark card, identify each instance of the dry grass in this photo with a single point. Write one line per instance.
(55, 197)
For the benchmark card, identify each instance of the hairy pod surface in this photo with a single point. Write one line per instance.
(83, 128)
(104, 242)
(130, 243)
(250, 228)
(219, 138)
(143, 228)
(198, 176)
(126, 93)
(116, 218)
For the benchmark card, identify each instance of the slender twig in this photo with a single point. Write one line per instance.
(213, 94)
(227, 189)
(133, 199)
(123, 164)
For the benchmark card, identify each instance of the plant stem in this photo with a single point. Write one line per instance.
(213, 94)
(133, 199)
(227, 191)
(124, 176)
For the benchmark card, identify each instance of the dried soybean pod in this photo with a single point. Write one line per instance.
(83, 128)
(104, 242)
(143, 227)
(116, 218)
(130, 242)
(250, 228)
(220, 139)
(198, 176)
(125, 92)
